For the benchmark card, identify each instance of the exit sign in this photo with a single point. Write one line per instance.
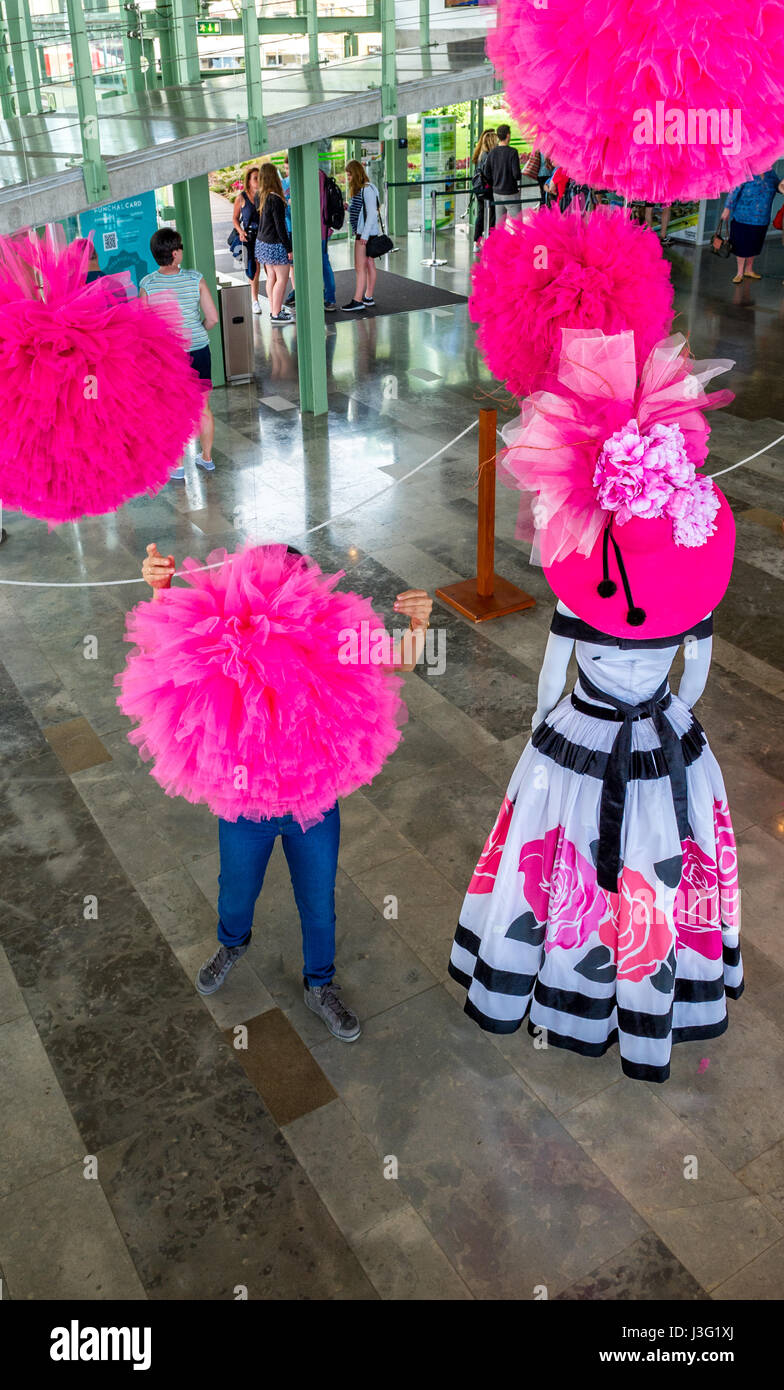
(209, 26)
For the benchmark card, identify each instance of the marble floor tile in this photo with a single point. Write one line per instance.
(76, 745)
(405, 1264)
(367, 838)
(211, 1199)
(69, 1219)
(764, 1176)
(121, 1074)
(279, 1065)
(761, 1279)
(716, 1242)
(180, 909)
(12, 1004)
(38, 1135)
(761, 874)
(351, 1179)
(649, 1153)
(425, 906)
(448, 821)
(731, 1086)
(511, 1199)
(647, 1271)
(125, 823)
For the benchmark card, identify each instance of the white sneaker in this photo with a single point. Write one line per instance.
(256, 307)
(207, 464)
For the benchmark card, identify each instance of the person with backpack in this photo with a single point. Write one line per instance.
(363, 216)
(505, 175)
(333, 215)
(482, 185)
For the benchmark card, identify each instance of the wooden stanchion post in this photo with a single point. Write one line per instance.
(488, 595)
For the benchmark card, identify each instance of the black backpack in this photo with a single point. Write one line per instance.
(336, 212)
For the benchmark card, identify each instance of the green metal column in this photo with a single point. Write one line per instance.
(132, 54)
(6, 84)
(177, 21)
(96, 178)
(257, 129)
(22, 57)
(308, 10)
(151, 77)
(350, 45)
(480, 116)
(306, 227)
(396, 168)
(194, 223)
(388, 59)
(353, 148)
(424, 23)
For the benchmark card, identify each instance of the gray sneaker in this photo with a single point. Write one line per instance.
(325, 1001)
(215, 970)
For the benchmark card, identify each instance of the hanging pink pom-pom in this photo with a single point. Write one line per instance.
(97, 394)
(656, 99)
(259, 688)
(553, 270)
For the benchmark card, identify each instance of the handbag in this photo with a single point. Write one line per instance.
(721, 245)
(379, 245)
(778, 220)
(532, 165)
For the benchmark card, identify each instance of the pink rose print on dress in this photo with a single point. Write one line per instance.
(726, 865)
(483, 880)
(696, 909)
(561, 889)
(638, 935)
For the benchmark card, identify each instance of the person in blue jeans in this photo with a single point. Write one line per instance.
(312, 855)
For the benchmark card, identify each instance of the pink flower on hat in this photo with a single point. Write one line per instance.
(693, 510)
(636, 474)
(651, 475)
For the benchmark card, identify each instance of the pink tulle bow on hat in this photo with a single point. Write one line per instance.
(248, 694)
(611, 444)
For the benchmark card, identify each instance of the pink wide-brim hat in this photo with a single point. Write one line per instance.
(675, 585)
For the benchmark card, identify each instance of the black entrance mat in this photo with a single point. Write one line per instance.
(394, 294)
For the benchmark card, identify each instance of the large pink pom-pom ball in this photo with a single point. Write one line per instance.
(552, 270)
(657, 99)
(259, 687)
(97, 394)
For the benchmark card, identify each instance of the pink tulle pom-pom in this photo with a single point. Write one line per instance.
(553, 270)
(97, 394)
(657, 99)
(259, 689)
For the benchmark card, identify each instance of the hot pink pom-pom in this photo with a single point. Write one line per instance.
(258, 689)
(97, 394)
(553, 270)
(620, 92)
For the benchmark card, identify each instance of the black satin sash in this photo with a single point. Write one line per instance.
(618, 769)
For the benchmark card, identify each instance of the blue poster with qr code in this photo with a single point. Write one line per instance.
(121, 235)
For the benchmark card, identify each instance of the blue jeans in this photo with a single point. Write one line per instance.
(312, 856)
(329, 274)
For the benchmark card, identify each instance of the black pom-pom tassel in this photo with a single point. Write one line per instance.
(606, 588)
(636, 617)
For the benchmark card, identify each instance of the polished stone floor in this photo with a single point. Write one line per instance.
(142, 1154)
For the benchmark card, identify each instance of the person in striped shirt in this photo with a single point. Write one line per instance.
(189, 289)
